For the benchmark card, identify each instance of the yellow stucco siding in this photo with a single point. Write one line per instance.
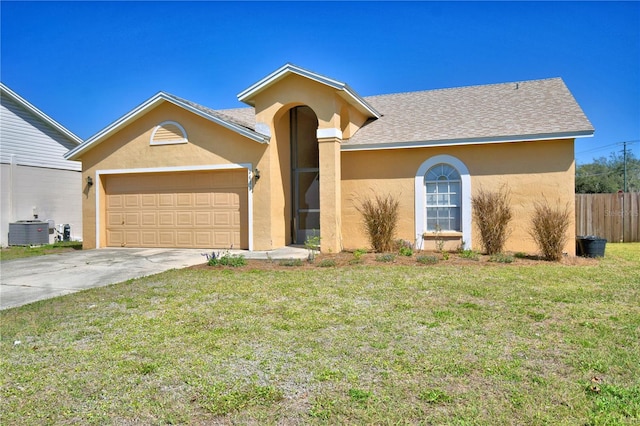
(295, 90)
(280, 171)
(333, 113)
(350, 121)
(209, 144)
(531, 170)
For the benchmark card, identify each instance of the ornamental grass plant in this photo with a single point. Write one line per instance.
(492, 214)
(380, 217)
(549, 226)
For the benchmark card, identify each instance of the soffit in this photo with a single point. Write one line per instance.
(345, 91)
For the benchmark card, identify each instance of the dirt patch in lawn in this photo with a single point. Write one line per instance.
(420, 259)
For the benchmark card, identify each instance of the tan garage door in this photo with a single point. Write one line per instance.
(189, 210)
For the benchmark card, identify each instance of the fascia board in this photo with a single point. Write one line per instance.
(41, 115)
(470, 141)
(346, 91)
(115, 126)
(362, 105)
(146, 107)
(278, 75)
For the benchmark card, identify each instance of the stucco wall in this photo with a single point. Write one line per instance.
(530, 170)
(209, 144)
(272, 106)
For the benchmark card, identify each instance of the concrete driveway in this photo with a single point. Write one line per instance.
(31, 279)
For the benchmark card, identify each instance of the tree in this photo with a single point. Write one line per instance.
(606, 175)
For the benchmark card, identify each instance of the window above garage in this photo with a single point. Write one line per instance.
(168, 133)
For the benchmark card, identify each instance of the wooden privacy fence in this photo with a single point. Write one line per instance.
(611, 216)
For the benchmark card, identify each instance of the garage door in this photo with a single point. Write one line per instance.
(187, 210)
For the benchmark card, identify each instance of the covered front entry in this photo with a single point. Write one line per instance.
(205, 209)
(305, 174)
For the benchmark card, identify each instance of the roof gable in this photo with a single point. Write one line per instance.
(151, 103)
(248, 95)
(5, 91)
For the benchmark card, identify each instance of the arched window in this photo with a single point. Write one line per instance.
(442, 192)
(443, 185)
(168, 133)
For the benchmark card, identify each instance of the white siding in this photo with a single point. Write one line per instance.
(31, 140)
(35, 177)
(49, 193)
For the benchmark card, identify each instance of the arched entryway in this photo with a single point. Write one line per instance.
(305, 174)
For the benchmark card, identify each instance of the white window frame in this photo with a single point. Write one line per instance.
(449, 206)
(420, 196)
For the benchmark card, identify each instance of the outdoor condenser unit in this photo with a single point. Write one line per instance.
(28, 232)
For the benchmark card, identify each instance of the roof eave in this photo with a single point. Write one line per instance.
(50, 121)
(467, 141)
(258, 137)
(347, 92)
(148, 105)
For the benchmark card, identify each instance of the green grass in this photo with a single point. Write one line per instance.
(18, 252)
(485, 343)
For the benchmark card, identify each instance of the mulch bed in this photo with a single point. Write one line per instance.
(348, 260)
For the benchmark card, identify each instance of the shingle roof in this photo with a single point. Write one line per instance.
(496, 112)
(534, 108)
(218, 117)
(244, 117)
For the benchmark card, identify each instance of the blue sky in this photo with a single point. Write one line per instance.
(85, 64)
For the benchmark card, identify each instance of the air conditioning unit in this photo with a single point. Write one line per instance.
(28, 233)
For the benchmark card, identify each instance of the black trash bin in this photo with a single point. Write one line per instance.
(590, 246)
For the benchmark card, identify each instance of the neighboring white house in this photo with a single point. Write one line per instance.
(37, 182)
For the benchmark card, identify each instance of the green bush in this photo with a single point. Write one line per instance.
(290, 262)
(357, 254)
(312, 244)
(492, 214)
(380, 217)
(326, 263)
(406, 251)
(404, 247)
(427, 260)
(469, 254)
(386, 257)
(227, 259)
(549, 226)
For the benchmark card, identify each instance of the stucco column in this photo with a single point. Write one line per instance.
(330, 195)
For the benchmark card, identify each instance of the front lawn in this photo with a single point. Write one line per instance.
(18, 252)
(446, 343)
